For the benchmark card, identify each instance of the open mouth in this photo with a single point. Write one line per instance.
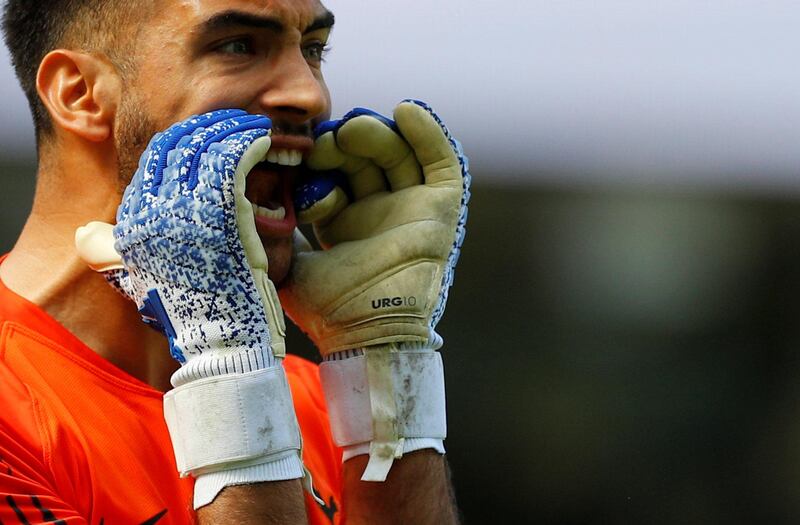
(269, 190)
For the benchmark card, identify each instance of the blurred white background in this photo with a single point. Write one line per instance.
(690, 93)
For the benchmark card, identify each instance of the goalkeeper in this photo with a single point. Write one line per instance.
(179, 145)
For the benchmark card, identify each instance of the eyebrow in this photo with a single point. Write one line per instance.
(233, 18)
(323, 21)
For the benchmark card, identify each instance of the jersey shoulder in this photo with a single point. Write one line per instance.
(31, 482)
(68, 438)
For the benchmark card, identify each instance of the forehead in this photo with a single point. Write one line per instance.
(292, 13)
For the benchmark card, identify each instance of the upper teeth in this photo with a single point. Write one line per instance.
(285, 157)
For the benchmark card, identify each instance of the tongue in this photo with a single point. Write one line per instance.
(264, 186)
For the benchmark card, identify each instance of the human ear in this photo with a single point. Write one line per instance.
(81, 93)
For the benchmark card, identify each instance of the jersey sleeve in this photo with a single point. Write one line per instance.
(320, 455)
(26, 496)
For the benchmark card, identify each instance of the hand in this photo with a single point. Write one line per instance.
(371, 300)
(193, 263)
(391, 246)
(191, 258)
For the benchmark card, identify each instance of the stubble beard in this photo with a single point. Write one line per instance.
(135, 128)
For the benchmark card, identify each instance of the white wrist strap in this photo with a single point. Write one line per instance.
(232, 421)
(383, 397)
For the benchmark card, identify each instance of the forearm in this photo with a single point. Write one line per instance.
(275, 502)
(418, 490)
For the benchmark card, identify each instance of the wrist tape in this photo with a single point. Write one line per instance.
(232, 421)
(409, 445)
(383, 397)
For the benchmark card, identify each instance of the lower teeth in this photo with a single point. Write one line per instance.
(278, 214)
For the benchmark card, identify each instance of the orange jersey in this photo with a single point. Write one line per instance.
(83, 442)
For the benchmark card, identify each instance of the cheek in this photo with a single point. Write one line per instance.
(325, 115)
(161, 92)
(178, 101)
(215, 95)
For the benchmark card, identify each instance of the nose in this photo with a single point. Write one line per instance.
(296, 93)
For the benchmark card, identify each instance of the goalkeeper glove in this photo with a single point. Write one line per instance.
(372, 298)
(192, 261)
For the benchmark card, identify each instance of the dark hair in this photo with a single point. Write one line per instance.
(33, 28)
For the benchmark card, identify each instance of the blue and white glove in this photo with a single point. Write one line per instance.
(391, 218)
(192, 261)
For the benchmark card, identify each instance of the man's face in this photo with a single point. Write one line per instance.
(263, 56)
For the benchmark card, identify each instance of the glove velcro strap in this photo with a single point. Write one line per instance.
(229, 421)
(417, 381)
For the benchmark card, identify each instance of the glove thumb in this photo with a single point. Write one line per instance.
(95, 245)
(320, 198)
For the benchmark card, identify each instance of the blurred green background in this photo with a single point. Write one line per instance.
(614, 355)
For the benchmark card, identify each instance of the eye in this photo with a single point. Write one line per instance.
(315, 52)
(240, 46)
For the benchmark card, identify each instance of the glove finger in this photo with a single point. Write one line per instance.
(168, 178)
(169, 140)
(368, 137)
(313, 188)
(95, 245)
(143, 181)
(223, 163)
(214, 206)
(169, 158)
(431, 145)
(215, 155)
(324, 210)
(256, 148)
(149, 174)
(132, 196)
(188, 154)
(237, 134)
(177, 165)
(239, 152)
(326, 155)
(364, 177)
